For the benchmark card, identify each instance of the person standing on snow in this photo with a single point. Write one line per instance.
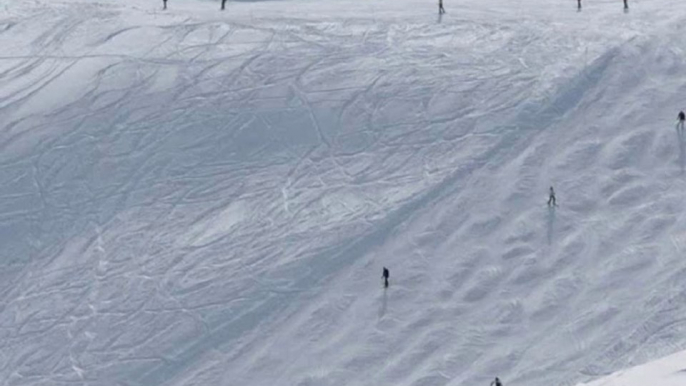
(680, 120)
(551, 199)
(385, 276)
(164, 4)
(441, 10)
(496, 382)
(626, 5)
(223, 4)
(578, 5)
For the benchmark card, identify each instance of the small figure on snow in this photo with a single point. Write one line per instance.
(578, 5)
(441, 10)
(385, 276)
(680, 120)
(626, 5)
(223, 5)
(164, 4)
(496, 382)
(551, 199)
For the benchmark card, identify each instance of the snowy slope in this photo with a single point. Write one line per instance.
(668, 371)
(196, 198)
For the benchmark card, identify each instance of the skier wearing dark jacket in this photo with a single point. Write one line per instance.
(496, 382)
(223, 4)
(164, 4)
(680, 120)
(385, 276)
(551, 199)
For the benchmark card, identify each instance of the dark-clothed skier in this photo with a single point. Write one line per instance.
(626, 5)
(223, 4)
(578, 5)
(441, 10)
(551, 199)
(680, 120)
(496, 382)
(385, 276)
(164, 4)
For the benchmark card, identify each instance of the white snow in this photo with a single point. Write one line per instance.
(669, 371)
(192, 197)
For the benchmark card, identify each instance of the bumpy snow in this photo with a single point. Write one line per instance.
(200, 198)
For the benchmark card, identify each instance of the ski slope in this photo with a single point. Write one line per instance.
(191, 197)
(667, 371)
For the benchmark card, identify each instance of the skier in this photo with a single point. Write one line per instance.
(496, 382)
(578, 5)
(441, 10)
(385, 276)
(626, 5)
(223, 4)
(551, 199)
(680, 120)
(164, 4)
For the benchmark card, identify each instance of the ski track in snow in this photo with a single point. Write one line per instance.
(193, 198)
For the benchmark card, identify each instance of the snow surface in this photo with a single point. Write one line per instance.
(669, 371)
(200, 198)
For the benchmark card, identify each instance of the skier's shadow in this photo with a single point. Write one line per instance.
(384, 304)
(551, 223)
(682, 148)
(440, 17)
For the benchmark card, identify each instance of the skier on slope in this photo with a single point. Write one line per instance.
(551, 199)
(385, 276)
(680, 120)
(164, 4)
(441, 10)
(496, 382)
(578, 5)
(626, 5)
(223, 4)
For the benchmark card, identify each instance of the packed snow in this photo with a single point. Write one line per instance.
(195, 197)
(669, 371)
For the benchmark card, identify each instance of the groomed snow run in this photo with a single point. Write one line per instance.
(669, 371)
(191, 197)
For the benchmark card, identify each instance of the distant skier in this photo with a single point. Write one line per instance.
(223, 5)
(441, 10)
(626, 5)
(496, 382)
(164, 4)
(680, 120)
(551, 199)
(578, 5)
(385, 276)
